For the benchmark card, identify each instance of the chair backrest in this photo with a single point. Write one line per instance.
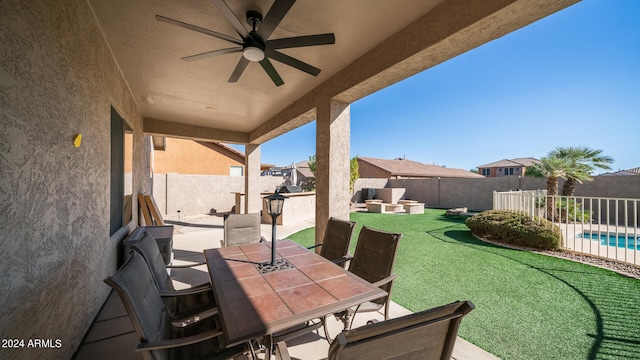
(148, 248)
(137, 289)
(374, 257)
(427, 335)
(242, 229)
(337, 238)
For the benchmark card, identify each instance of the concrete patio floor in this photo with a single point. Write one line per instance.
(111, 336)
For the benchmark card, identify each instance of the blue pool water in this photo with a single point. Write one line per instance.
(618, 240)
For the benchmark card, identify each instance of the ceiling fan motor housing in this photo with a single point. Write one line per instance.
(254, 18)
(253, 47)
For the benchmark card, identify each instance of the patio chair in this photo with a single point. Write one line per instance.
(373, 261)
(240, 229)
(427, 335)
(197, 301)
(337, 238)
(335, 248)
(158, 337)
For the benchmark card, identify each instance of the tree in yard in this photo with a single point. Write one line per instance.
(584, 161)
(354, 172)
(312, 164)
(552, 168)
(574, 164)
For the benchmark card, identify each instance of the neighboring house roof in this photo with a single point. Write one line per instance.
(513, 162)
(408, 168)
(301, 167)
(632, 172)
(304, 170)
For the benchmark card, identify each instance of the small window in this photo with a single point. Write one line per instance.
(116, 199)
(236, 170)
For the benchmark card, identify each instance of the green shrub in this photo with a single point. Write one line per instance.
(515, 229)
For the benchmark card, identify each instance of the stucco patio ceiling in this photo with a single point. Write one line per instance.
(378, 43)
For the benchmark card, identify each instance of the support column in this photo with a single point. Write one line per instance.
(252, 200)
(332, 163)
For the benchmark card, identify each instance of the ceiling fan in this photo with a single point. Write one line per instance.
(254, 44)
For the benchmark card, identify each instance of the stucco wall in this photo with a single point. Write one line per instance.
(297, 208)
(198, 194)
(57, 79)
(477, 194)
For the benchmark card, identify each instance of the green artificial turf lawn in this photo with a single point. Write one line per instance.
(528, 306)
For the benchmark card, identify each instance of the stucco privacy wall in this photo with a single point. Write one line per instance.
(57, 79)
(477, 194)
(198, 194)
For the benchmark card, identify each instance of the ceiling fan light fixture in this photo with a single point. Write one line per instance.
(253, 53)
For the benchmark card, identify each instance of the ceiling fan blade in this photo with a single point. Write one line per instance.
(198, 29)
(242, 64)
(231, 18)
(300, 65)
(213, 53)
(278, 10)
(271, 71)
(300, 41)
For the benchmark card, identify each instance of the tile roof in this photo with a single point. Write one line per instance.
(633, 172)
(403, 167)
(513, 162)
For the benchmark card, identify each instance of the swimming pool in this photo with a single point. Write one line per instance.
(611, 239)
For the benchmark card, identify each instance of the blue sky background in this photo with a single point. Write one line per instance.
(571, 79)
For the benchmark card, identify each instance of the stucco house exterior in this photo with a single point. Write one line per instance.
(506, 167)
(105, 68)
(183, 156)
(407, 169)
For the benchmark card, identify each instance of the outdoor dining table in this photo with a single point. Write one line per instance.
(255, 302)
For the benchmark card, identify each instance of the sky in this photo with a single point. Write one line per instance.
(570, 79)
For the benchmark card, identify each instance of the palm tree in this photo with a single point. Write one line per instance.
(584, 161)
(552, 168)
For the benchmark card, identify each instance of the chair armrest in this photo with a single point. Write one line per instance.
(185, 266)
(342, 260)
(189, 320)
(282, 353)
(190, 291)
(385, 281)
(314, 246)
(172, 343)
